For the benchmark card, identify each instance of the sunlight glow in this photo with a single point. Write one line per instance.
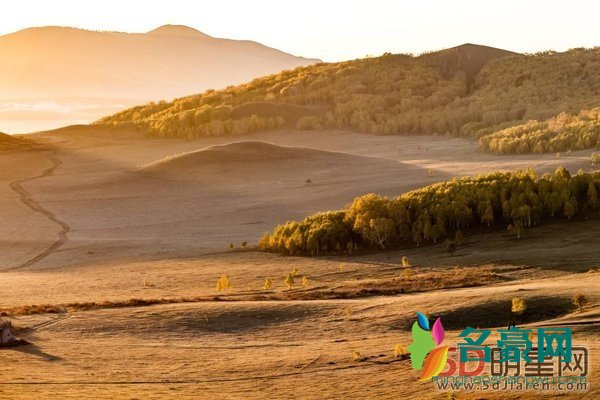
(334, 30)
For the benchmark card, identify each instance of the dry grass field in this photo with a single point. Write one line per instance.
(111, 246)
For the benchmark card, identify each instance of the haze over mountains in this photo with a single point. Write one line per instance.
(74, 75)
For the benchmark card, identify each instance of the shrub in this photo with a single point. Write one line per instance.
(450, 247)
(518, 306)
(289, 281)
(309, 123)
(399, 350)
(459, 238)
(268, 284)
(579, 300)
(348, 312)
(223, 283)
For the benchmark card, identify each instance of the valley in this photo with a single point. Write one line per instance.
(126, 305)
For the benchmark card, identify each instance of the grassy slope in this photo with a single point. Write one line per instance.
(8, 142)
(468, 90)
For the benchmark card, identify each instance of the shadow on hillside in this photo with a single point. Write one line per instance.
(569, 246)
(498, 314)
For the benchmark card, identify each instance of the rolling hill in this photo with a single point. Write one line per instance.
(468, 90)
(50, 71)
(8, 142)
(238, 152)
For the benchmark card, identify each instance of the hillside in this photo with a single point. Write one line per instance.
(238, 152)
(8, 142)
(512, 200)
(46, 72)
(560, 133)
(468, 91)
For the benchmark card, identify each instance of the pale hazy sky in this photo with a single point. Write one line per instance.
(336, 29)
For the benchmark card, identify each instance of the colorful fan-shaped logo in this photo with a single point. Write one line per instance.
(426, 354)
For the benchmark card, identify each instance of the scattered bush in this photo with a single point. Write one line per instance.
(450, 247)
(459, 238)
(518, 306)
(309, 123)
(451, 395)
(579, 300)
(399, 350)
(289, 281)
(223, 283)
(268, 284)
(516, 229)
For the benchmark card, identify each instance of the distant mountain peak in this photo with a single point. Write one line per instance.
(177, 30)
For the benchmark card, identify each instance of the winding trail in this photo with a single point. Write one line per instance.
(27, 199)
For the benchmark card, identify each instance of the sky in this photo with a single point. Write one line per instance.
(334, 30)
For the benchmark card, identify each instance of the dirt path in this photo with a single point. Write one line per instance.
(27, 199)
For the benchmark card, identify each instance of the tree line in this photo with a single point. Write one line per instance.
(514, 200)
(560, 133)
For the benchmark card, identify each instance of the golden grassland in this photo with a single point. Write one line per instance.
(145, 299)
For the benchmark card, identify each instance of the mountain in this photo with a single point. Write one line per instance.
(469, 90)
(53, 70)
